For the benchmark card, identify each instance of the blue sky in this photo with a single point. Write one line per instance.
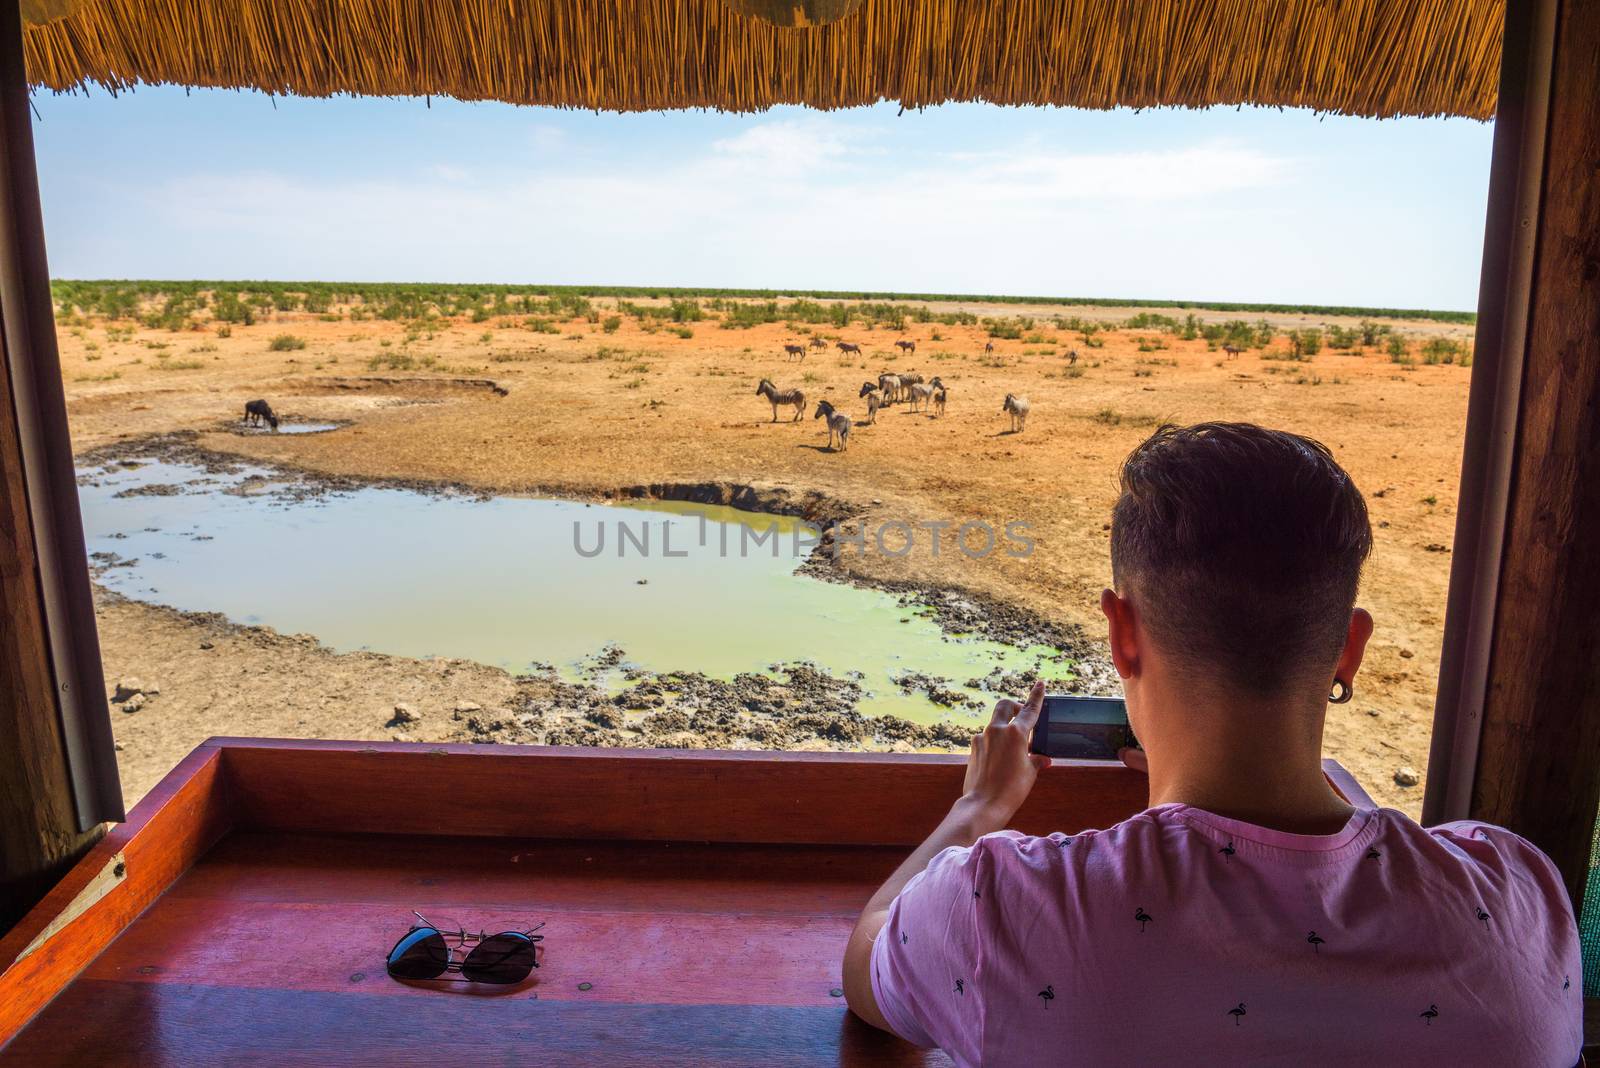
(1223, 204)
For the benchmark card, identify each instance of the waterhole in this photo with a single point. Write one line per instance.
(520, 581)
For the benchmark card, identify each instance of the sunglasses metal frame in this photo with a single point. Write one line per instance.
(454, 942)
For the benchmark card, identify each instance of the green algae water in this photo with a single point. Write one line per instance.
(519, 581)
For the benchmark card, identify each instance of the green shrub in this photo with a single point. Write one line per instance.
(1443, 350)
(286, 343)
(611, 324)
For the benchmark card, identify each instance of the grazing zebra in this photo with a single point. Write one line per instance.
(924, 392)
(258, 410)
(1232, 350)
(890, 384)
(818, 343)
(848, 346)
(795, 350)
(938, 401)
(838, 423)
(776, 396)
(906, 346)
(869, 390)
(1017, 408)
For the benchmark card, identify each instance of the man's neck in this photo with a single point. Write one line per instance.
(1262, 766)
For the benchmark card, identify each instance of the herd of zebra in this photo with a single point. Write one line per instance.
(928, 396)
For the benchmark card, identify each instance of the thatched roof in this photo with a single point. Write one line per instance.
(1359, 57)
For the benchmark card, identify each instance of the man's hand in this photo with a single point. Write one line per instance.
(1000, 770)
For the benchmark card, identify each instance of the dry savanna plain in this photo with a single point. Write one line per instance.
(591, 396)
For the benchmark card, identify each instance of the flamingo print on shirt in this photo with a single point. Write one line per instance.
(1237, 1012)
(1483, 916)
(1315, 940)
(1142, 917)
(1429, 1014)
(1047, 995)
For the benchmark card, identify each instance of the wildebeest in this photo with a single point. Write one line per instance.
(818, 343)
(988, 347)
(906, 346)
(1072, 357)
(848, 346)
(1232, 350)
(795, 350)
(257, 411)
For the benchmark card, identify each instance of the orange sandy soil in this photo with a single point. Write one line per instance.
(586, 413)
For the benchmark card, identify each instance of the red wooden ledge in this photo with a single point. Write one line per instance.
(703, 897)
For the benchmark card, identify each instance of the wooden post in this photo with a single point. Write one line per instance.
(58, 777)
(1538, 758)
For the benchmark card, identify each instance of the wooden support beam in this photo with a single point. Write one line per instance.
(57, 772)
(1538, 759)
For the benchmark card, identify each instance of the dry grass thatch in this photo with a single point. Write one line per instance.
(1359, 57)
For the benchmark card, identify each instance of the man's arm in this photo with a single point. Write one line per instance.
(1000, 773)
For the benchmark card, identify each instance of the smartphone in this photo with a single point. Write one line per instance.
(1072, 726)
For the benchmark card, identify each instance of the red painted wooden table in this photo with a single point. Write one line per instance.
(696, 905)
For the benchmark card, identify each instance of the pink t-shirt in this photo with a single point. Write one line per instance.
(1179, 936)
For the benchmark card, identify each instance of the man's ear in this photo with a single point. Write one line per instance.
(1123, 632)
(1355, 647)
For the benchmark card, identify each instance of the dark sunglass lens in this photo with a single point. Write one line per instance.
(422, 954)
(501, 958)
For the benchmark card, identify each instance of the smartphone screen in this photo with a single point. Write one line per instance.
(1082, 728)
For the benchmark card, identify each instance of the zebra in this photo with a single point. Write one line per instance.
(890, 384)
(924, 392)
(869, 390)
(1017, 407)
(838, 423)
(776, 396)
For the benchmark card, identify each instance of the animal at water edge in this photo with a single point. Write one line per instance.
(795, 350)
(938, 400)
(1017, 408)
(922, 392)
(838, 423)
(1232, 350)
(257, 411)
(869, 390)
(818, 343)
(906, 346)
(847, 346)
(890, 384)
(776, 396)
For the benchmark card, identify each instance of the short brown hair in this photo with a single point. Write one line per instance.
(1243, 548)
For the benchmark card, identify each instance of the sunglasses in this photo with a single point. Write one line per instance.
(427, 953)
